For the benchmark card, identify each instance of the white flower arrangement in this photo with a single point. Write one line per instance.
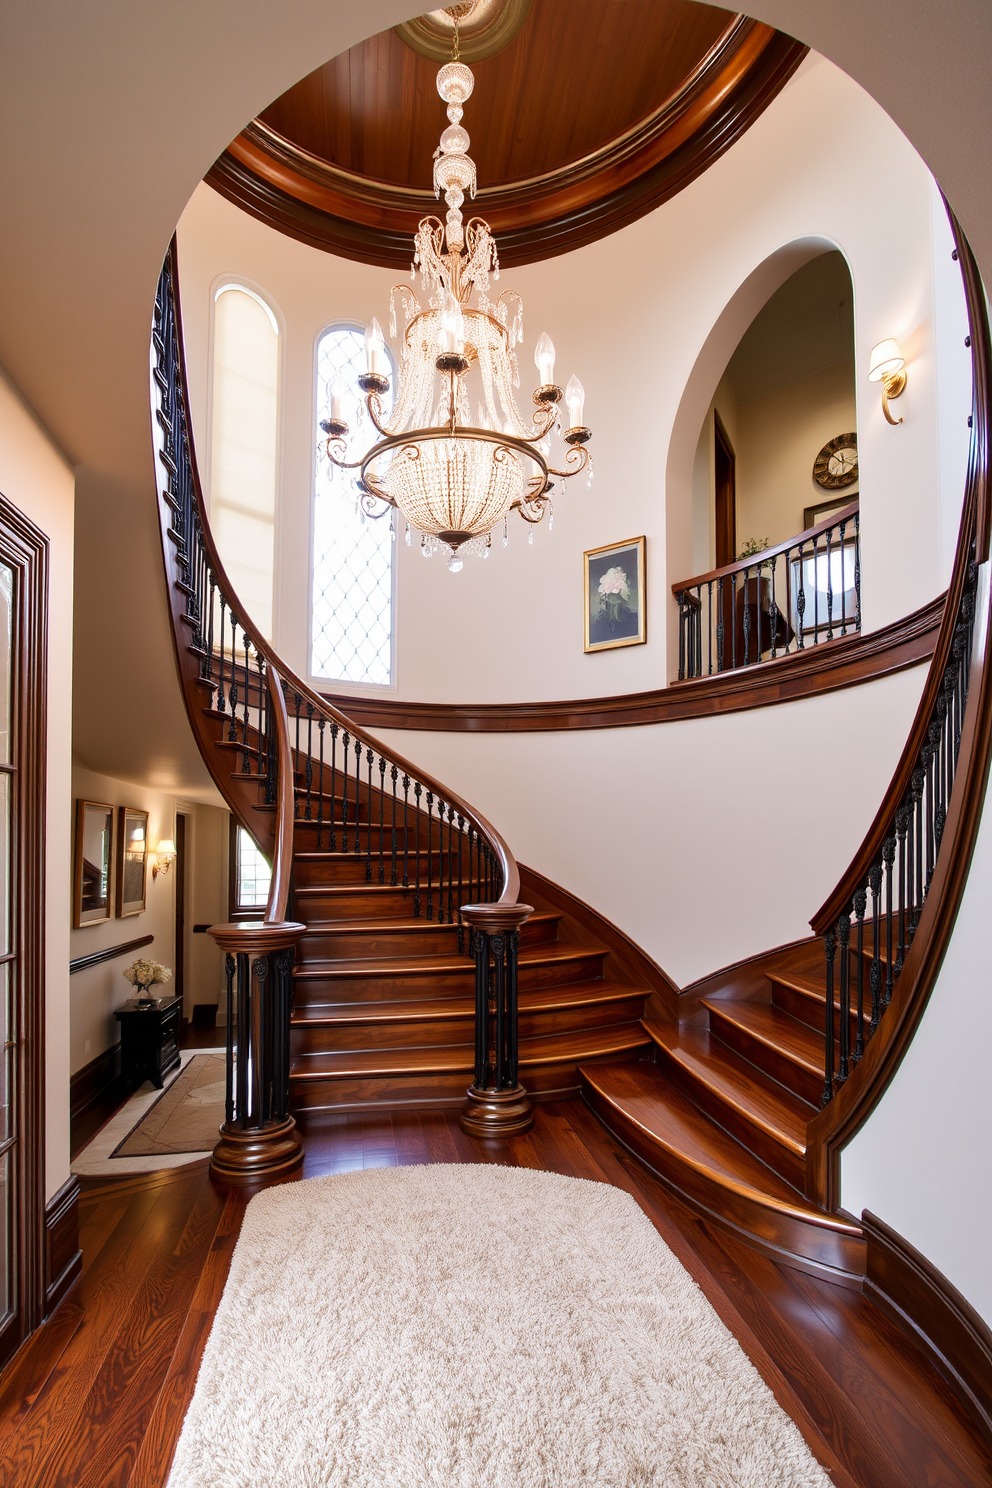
(143, 974)
(614, 581)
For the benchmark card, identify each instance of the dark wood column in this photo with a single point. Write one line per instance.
(496, 1103)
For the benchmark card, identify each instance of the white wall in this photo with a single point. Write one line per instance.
(635, 337)
(37, 479)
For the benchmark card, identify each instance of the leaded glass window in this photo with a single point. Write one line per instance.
(352, 595)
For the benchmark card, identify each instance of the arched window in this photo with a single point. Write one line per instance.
(352, 595)
(244, 445)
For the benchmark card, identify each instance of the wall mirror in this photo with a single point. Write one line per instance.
(132, 861)
(93, 858)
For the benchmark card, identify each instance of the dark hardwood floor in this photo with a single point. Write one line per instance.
(97, 1396)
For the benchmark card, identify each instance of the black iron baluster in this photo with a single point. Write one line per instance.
(221, 699)
(860, 907)
(830, 587)
(382, 806)
(733, 621)
(875, 971)
(931, 762)
(430, 886)
(719, 624)
(844, 944)
(334, 785)
(451, 868)
(208, 667)
(308, 767)
(916, 809)
(417, 791)
(772, 609)
(843, 577)
(461, 886)
(246, 747)
(747, 617)
(394, 775)
(297, 700)
(709, 628)
(889, 861)
(830, 948)
(346, 747)
(321, 726)
(902, 823)
(232, 691)
(816, 591)
(406, 831)
(370, 761)
(683, 621)
(857, 570)
(357, 846)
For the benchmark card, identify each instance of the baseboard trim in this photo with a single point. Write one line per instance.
(88, 1084)
(932, 1312)
(63, 1258)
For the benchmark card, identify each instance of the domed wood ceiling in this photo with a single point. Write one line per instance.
(586, 114)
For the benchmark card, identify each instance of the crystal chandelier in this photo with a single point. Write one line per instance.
(456, 479)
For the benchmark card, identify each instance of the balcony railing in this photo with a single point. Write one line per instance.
(804, 591)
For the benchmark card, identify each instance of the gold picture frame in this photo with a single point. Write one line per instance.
(132, 861)
(617, 614)
(93, 863)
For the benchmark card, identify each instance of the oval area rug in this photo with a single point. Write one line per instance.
(473, 1326)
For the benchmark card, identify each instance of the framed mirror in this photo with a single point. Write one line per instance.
(132, 861)
(92, 862)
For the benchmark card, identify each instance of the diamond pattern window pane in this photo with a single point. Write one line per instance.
(352, 614)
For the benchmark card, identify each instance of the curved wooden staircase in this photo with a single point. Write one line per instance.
(719, 1089)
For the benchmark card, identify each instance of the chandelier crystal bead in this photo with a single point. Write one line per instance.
(456, 477)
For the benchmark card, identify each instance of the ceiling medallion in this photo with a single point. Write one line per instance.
(453, 480)
(485, 27)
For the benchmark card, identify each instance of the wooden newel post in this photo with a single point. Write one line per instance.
(258, 1139)
(496, 1104)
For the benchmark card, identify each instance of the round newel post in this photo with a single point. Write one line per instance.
(496, 1103)
(259, 1139)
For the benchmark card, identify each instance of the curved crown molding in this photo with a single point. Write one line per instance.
(845, 662)
(373, 221)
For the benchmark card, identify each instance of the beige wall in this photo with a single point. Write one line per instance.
(37, 479)
(779, 435)
(206, 901)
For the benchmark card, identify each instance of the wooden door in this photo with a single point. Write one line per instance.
(725, 494)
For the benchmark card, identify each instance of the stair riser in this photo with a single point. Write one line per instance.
(425, 940)
(811, 1010)
(393, 1092)
(351, 870)
(802, 1082)
(331, 1038)
(781, 1159)
(447, 983)
(356, 902)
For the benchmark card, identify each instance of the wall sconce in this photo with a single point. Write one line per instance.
(887, 366)
(163, 856)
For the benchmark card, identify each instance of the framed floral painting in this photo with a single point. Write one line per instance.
(614, 599)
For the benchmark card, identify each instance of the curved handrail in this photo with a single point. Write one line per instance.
(744, 564)
(507, 867)
(960, 678)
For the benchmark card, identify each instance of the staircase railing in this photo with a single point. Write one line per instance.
(281, 755)
(886, 925)
(784, 599)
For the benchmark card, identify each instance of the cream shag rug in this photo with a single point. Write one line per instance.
(470, 1326)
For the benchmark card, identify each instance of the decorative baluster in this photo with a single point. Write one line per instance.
(461, 886)
(719, 624)
(931, 763)
(207, 667)
(773, 609)
(816, 591)
(406, 832)
(747, 617)
(334, 786)
(370, 761)
(232, 691)
(889, 860)
(394, 775)
(321, 725)
(733, 621)
(382, 806)
(683, 622)
(916, 816)
(451, 867)
(430, 883)
(857, 570)
(356, 845)
(346, 746)
(902, 824)
(875, 971)
(221, 699)
(801, 598)
(844, 942)
(709, 628)
(830, 948)
(843, 577)
(417, 791)
(245, 744)
(496, 1104)
(308, 766)
(830, 586)
(860, 906)
(297, 700)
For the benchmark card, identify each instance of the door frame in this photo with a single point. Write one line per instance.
(24, 548)
(727, 552)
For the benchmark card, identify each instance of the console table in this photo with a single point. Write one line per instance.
(149, 1042)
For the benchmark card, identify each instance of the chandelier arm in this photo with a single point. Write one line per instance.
(341, 464)
(578, 458)
(366, 500)
(375, 408)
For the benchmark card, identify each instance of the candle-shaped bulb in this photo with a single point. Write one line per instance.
(375, 349)
(544, 359)
(452, 333)
(575, 398)
(339, 392)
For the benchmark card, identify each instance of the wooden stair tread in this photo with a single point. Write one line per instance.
(816, 991)
(667, 1119)
(564, 1048)
(541, 999)
(403, 923)
(357, 966)
(783, 1115)
(769, 1025)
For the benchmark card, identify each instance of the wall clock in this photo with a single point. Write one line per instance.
(836, 465)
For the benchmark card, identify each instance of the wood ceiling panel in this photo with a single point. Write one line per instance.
(580, 73)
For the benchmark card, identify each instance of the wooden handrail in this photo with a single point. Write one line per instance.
(744, 564)
(510, 874)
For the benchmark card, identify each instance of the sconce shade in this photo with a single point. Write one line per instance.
(885, 361)
(166, 848)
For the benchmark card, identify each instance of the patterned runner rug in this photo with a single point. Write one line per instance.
(186, 1115)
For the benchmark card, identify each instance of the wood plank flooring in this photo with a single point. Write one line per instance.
(97, 1396)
